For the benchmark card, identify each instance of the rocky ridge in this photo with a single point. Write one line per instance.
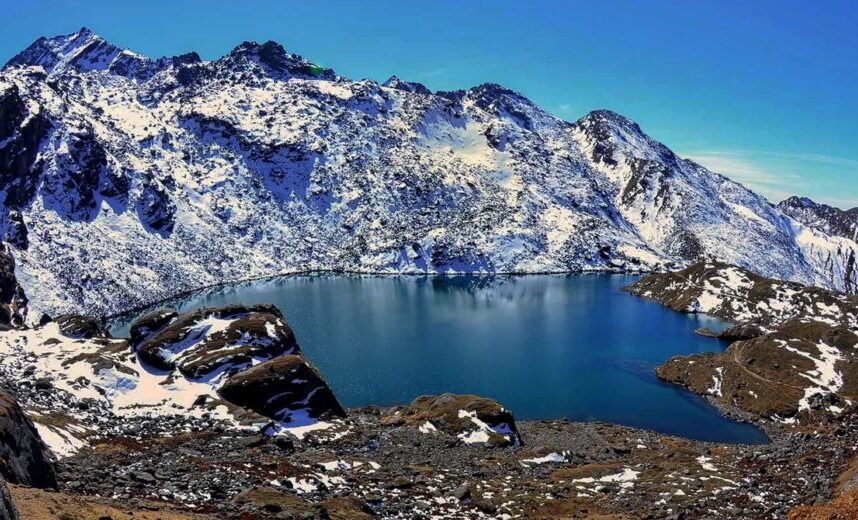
(128, 179)
(79, 384)
(831, 220)
(794, 360)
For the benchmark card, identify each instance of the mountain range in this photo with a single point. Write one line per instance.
(126, 179)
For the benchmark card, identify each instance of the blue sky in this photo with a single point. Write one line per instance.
(765, 92)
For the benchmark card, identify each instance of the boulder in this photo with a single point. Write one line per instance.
(143, 327)
(7, 508)
(470, 418)
(741, 331)
(80, 327)
(285, 388)
(210, 341)
(24, 459)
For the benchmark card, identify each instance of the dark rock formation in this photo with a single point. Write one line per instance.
(23, 457)
(150, 323)
(13, 301)
(831, 220)
(281, 387)
(155, 208)
(473, 419)
(80, 327)
(209, 341)
(21, 132)
(7, 508)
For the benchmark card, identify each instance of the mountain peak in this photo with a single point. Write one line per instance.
(273, 59)
(491, 92)
(59, 51)
(608, 118)
(408, 86)
(798, 202)
(85, 50)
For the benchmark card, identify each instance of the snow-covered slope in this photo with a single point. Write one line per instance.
(126, 179)
(831, 220)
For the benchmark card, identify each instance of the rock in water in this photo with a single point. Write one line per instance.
(7, 508)
(23, 457)
(284, 389)
(209, 341)
(470, 418)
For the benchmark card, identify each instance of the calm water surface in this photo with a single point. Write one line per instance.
(546, 347)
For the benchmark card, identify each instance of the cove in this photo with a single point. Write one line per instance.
(545, 346)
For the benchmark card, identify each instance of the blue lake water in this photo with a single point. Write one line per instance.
(547, 347)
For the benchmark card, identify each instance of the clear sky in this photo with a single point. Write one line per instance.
(763, 91)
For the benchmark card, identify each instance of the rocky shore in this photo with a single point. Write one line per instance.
(216, 414)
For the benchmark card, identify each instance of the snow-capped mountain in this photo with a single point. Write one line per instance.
(126, 179)
(831, 220)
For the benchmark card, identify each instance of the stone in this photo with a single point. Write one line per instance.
(24, 459)
(281, 388)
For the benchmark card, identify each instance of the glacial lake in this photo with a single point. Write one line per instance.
(546, 347)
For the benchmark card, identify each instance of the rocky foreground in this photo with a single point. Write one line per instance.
(216, 414)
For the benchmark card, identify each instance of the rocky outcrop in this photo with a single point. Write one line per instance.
(741, 296)
(831, 220)
(150, 323)
(23, 457)
(80, 327)
(793, 358)
(469, 418)
(7, 507)
(797, 372)
(213, 340)
(13, 301)
(287, 388)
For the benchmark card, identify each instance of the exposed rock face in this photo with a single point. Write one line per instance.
(178, 173)
(23, 457)
(210, 341)
(7, 508)
(831, 220)
(149, 324)
(80, 327)
(794, 358)
(469, 418)
(13, 301)
(286, 388)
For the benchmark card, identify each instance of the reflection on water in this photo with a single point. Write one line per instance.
(545, 346)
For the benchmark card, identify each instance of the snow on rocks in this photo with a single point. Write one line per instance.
(283, 388)
(740, 296)
(193, 173)
(80, 384)
(207, 341)
(793, 350)
(469, 418)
